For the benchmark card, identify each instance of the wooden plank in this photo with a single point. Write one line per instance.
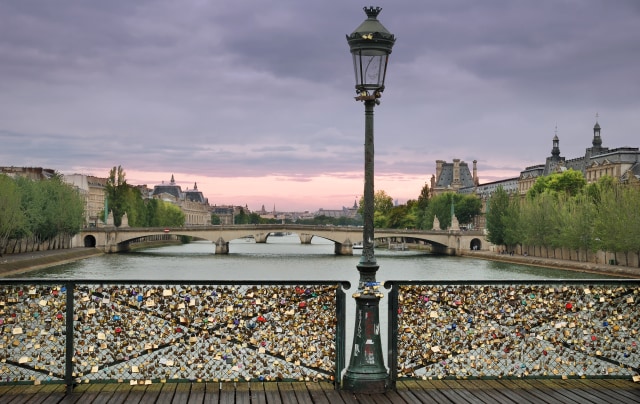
(623, 389)
(105, 393)
(407, 395)
(44, 393)
(243, 393)
(287, 394)
(544, 387)
(393, 397)
(227, 393)
(166, 394)
(316, 393)
(257, 393)
(590, 389)
(333, 395)
(494, 390)
(21, 393)
(523, 391)
(301, 392)
(136, 393)
(212, 393)
(181, 395)
(365, 398)
(151, 393)
(425, 391)
(585, 389)
(121, 393)
(197, 393)
(88, 391)
(271, 392)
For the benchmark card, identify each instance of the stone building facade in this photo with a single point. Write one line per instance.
(192, 202)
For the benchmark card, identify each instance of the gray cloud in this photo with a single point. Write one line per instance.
(255, 88)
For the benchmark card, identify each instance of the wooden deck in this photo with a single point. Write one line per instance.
(438, 391)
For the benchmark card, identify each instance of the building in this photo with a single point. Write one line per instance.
(451, 177)
(33, 173)
(350, 213)
(93, 191)
(192, 202)
(622, 163)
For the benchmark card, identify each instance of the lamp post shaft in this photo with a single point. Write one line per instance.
(368, 257)
(366, 372)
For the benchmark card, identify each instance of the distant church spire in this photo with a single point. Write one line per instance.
(173, 181)
(555, 151)
(195, 186)
(597, 140)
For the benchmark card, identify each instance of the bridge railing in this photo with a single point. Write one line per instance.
(564, 329)
(144, 332)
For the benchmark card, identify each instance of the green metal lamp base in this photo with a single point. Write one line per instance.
(366, 382)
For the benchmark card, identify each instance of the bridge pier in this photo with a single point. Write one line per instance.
(260, 238)
(344, 248)
(222, 247)
(305, 238)
(442, 249)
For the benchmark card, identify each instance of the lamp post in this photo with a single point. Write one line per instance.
(370, 46)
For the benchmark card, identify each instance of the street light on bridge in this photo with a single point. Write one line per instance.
(370, 46)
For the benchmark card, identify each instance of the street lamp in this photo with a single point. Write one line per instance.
(370, 46)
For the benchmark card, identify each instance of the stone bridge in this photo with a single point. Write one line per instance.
(116, 239)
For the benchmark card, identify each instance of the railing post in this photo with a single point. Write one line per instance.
(392, 334)
(69, 347)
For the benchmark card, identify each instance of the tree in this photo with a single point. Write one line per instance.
(467, 207)
(117, 190)
(577, 222)
(12, 217)
(382, 205)
(496, 223)
(540, 219)
(570, 181)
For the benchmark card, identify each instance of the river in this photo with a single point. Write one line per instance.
(284, 258)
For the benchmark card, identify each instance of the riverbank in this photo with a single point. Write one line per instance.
(613, 270)
(14, 264)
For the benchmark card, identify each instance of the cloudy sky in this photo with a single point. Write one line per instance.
(253, 99)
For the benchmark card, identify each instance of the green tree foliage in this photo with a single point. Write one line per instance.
(215, 219)
(570, 182)
(12, 217)
(382, 203)
(117, 191)
(465, 207)
(495, 217)
(123, 198)
(617, 224)
(38, 210)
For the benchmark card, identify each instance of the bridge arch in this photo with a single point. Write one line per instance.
(112, 239)
(89, 241)
(475, 244)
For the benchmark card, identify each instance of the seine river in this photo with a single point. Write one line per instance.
(284, 258)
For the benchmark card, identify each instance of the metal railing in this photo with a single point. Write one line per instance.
(148, 331)
(135, 331)
(517, 329)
